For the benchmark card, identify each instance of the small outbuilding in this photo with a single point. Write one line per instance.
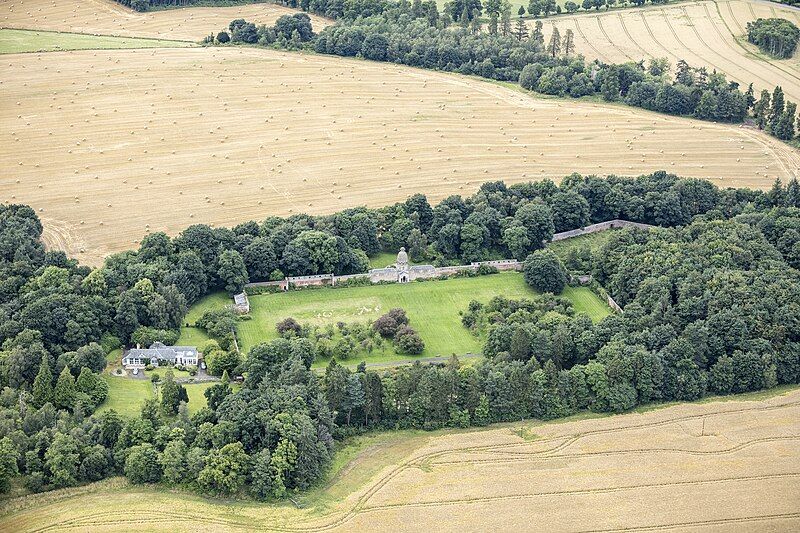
(241, 304)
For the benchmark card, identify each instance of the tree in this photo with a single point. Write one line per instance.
(232, 271)
(64, 393)
(173, 462)
(521, 30)
(545, 272)
(609, 87)
(537, 219)
(568, 46)
(354, 396)
(8, 463)
(172, 394)
(261, 479)
(776, 109)
(482, 416)
(225, 470)
(61, 460)
(538, 35)
(92, 386)
(142, 464)
(43, 384)
(223, 37)
(785, 128)
(554, 48)
(570, 211)
(516, 240)
(408, 341)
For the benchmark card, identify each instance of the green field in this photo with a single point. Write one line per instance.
(432, 306)
(382, 260)
(18, 41)
(593, 240)
(126, 394)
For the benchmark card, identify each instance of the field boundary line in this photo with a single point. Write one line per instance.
(598, 490)
(532, 456)
(136, 37)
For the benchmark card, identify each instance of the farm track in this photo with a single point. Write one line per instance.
(599, 490)
(631, 39)
(589, 42)
(655, 39)
(610, 42)
(424, 462)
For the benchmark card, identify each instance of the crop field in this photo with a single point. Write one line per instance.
(106, 17)
(433, 308)
(721, 466)
(237, 134)
(709, 33)
(17, 41)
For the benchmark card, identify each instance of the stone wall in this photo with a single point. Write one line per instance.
(393, 275)
(600, 226)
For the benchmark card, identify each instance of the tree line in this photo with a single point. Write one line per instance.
(413, 35)
(148, 5)
(710, 306)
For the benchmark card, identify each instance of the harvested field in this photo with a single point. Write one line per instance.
(722, 466)
(106, 17)
(109, 145)
(709, 33)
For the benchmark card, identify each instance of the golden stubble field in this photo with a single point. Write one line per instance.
(109, 145)
(106, 17)
(709, 33)
(720, 466)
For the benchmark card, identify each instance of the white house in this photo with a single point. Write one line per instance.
(159, 353)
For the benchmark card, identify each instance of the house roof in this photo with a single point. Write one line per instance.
(161, 351)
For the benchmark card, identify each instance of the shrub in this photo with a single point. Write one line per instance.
(545, 272)
(408, 341)
(289, 325)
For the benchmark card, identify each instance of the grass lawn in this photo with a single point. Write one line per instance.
(593, 240)
(17, 41)
(126, 394)
(382, 260)
(432, 306)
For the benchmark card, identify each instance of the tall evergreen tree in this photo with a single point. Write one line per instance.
(64, 393)
(554, 47)
(776, 109)
(43, 384)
